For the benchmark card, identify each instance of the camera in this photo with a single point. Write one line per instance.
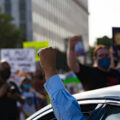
(12, 88)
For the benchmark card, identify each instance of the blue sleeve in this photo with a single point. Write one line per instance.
(64, 105)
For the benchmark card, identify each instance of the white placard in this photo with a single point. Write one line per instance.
(20, 59)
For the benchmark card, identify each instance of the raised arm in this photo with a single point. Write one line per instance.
(64, 105)
(48, 61)
(71, 54)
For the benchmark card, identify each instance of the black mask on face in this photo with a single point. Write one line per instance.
(5, 74)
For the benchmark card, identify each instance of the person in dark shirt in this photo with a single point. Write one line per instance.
(38, 87)
(9, 95)
(93, 77)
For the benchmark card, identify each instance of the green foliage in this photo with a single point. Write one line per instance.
(10, 35)
(104, 41)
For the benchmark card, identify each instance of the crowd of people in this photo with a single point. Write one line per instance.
(19, 101)
(101, 74)
(92, 77)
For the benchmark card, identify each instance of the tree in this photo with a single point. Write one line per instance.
(104, 41)
(10, 35)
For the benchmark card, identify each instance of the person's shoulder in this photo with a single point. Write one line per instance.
(86, 66)
(114, 71)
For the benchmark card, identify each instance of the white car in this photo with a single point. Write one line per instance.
(100, 104)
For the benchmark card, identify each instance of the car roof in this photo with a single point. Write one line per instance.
(109, 93)
(46, 108)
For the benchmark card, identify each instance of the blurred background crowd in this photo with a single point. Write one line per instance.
(29, 25)
(21, 93)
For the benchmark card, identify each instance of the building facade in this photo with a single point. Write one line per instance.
(52, 20)
(56, 20)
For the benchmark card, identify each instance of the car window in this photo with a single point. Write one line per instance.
(49, 116)
(87, 109)
(113, 113)
(90, 111)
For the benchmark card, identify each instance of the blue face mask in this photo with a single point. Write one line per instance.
(104, 63)
(27, 86)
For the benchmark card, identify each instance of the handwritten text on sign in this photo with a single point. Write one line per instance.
(19, 59)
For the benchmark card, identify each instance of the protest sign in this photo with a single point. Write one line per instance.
(79, 48)
(116, 36)
(72, 83)
(19, 59)
(36, 46)
(116, 42)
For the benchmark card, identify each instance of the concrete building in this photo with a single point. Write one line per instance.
(21, 11)
(53, 20)
(56, 20)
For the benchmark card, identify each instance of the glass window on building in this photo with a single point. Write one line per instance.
(22, 9)
(22, 16)
(8, 4)
(23, 28)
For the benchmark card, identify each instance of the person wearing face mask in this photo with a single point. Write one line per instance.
(30, 105)
(9, 94)
(101, 75)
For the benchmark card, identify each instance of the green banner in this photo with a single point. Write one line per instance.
(36, 46)
(71, 80)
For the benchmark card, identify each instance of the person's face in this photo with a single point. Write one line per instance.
(101, 53)
(4, 66)
(103, 58)
(26, 85)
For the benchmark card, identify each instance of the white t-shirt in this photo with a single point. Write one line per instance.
(30, 102)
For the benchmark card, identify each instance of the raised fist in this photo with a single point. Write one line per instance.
(74, 40)
(48, 61)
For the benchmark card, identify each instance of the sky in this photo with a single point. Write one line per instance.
(103, 15)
